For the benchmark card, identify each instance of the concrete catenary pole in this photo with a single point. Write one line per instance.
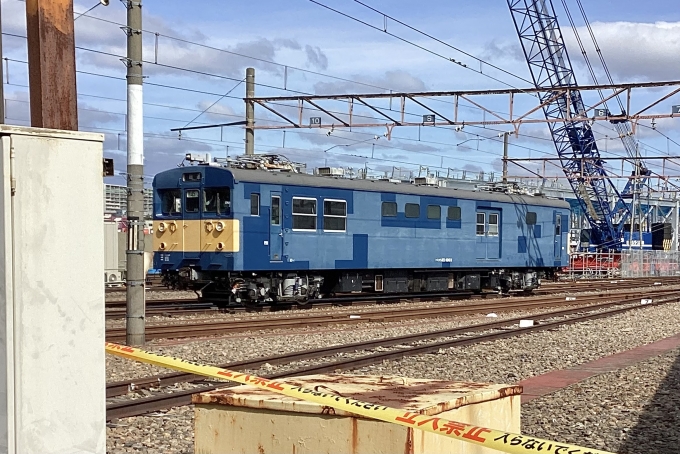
(505, 157)
(250, 111)
(135, 275)
(2, 79)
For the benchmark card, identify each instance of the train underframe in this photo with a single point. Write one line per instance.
(254, 288)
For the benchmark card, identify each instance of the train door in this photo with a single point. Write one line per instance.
(493, 235)
(488, 234)
(275, 228)
(558, 237)
(191, 228)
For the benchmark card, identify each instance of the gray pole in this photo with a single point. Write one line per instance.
(505, 157)
(676, 220)
(135, 276)
(2, 78)
(250, 111)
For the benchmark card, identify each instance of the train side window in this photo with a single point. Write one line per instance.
(304, 213)
(434, 212)
(558, 225)
(531, 218)
(481, 223)
(493, 224)
(216, 200)
(254, 204)
(276, 210)
(389, 209)
(412, 210)
(334, 215)
(453, 214)
(191, 201)
(171, 202)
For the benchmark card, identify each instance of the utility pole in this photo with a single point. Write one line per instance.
(2, 79)
(135, 275)
(52, 64)
(505, 157)
(250, 111)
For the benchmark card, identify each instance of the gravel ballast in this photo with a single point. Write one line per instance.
(635, 410)
(503, 361)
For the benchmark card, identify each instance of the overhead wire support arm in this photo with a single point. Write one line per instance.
(552, 97)
(327, 112)
(275, 113)
(356, 98)
(219, 125)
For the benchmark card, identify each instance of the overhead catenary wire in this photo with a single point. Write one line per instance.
(457, 49)
(430, 51)
(203, 92)
(401, 138)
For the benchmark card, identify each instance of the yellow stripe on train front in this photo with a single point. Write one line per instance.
(490, 438)
(196, 235)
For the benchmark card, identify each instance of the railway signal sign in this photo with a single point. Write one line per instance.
(676, 110)
(601, 112)
(108, 167)
(428, 119)
(314, 121)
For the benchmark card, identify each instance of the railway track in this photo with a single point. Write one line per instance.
(455, 337)
(211, 328)
(167, 307)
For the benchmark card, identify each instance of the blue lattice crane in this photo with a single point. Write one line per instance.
(545, 51)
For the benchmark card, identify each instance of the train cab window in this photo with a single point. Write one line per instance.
(493, 224)
(412, 210)
(304, 213)
(334, 215)
(389, 209)
(216, 200)
(254, 204)
(171, 202)
(434, 212)
(453, 214)
(481, 224)
(531, 218)
(191, 200)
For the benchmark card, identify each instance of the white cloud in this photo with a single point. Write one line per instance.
(396, 80)
(316, 58)
(218, 112)
(634, 50)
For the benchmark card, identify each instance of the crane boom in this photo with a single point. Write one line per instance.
(546, 54)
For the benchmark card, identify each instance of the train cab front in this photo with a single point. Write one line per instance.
(194, 228)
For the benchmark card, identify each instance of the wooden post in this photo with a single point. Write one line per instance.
(52, 64)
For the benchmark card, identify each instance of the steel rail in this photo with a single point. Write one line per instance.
(210, 328)
(155, 403)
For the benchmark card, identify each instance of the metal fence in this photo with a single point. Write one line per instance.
(593, 265)
(627, 264)
(650, 263)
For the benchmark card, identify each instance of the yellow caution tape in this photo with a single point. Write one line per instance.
(490, 438)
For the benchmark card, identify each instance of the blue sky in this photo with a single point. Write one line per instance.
(640, 40)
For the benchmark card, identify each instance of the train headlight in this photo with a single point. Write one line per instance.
(162, 246)
(173, 227)
(209, 226)
(220, 246)
(161, 227)
(219, 227)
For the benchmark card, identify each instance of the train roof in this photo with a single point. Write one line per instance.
(300, 179)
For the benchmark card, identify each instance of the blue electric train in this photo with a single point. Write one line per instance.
(253, 236)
